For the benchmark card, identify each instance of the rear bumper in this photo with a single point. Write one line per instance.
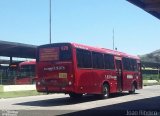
(55, 89)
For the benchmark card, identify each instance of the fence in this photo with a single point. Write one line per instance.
(152, 74)
(7, 77)
(13, 77)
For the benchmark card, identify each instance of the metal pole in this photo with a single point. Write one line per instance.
(113, 38)
(50, 28)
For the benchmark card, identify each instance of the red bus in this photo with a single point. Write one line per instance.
(26, 72)
(77, 69)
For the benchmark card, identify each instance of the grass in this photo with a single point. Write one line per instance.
(150, 77)
(19, 94)
(149, 84)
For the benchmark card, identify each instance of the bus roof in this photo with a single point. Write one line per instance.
(104, 50)
(97, 49)
(28, 62)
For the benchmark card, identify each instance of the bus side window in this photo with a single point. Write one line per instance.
(109, 61)
(83, 58)
(133, 65)
(98, 61)
(126, 63)
(130, 64)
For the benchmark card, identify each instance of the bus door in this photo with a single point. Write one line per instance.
(119, 74)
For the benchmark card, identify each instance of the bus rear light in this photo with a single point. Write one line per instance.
(70, 83)
(38, 83)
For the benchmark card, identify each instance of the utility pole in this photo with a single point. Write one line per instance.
(50, 21)
(113, 38)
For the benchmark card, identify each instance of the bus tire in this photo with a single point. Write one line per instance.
(105, 92)
(75, 95)
(133, 89)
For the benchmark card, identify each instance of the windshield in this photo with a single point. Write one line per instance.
(27, 71)
(62, 53)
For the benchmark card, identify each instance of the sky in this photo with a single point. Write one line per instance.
(89, 22)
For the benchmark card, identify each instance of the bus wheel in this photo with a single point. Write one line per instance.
(75, 95)
(133, 89)
(105, 92)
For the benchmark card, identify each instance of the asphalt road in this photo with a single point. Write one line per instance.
(145, 102)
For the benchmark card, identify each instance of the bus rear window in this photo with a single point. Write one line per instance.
(62, 53)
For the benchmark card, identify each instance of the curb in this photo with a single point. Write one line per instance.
(10, 88)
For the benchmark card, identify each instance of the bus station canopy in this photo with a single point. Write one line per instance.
(150, 6)
(12, 49)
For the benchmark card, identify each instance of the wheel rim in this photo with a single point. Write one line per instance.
(105, 91)
(133, 88)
